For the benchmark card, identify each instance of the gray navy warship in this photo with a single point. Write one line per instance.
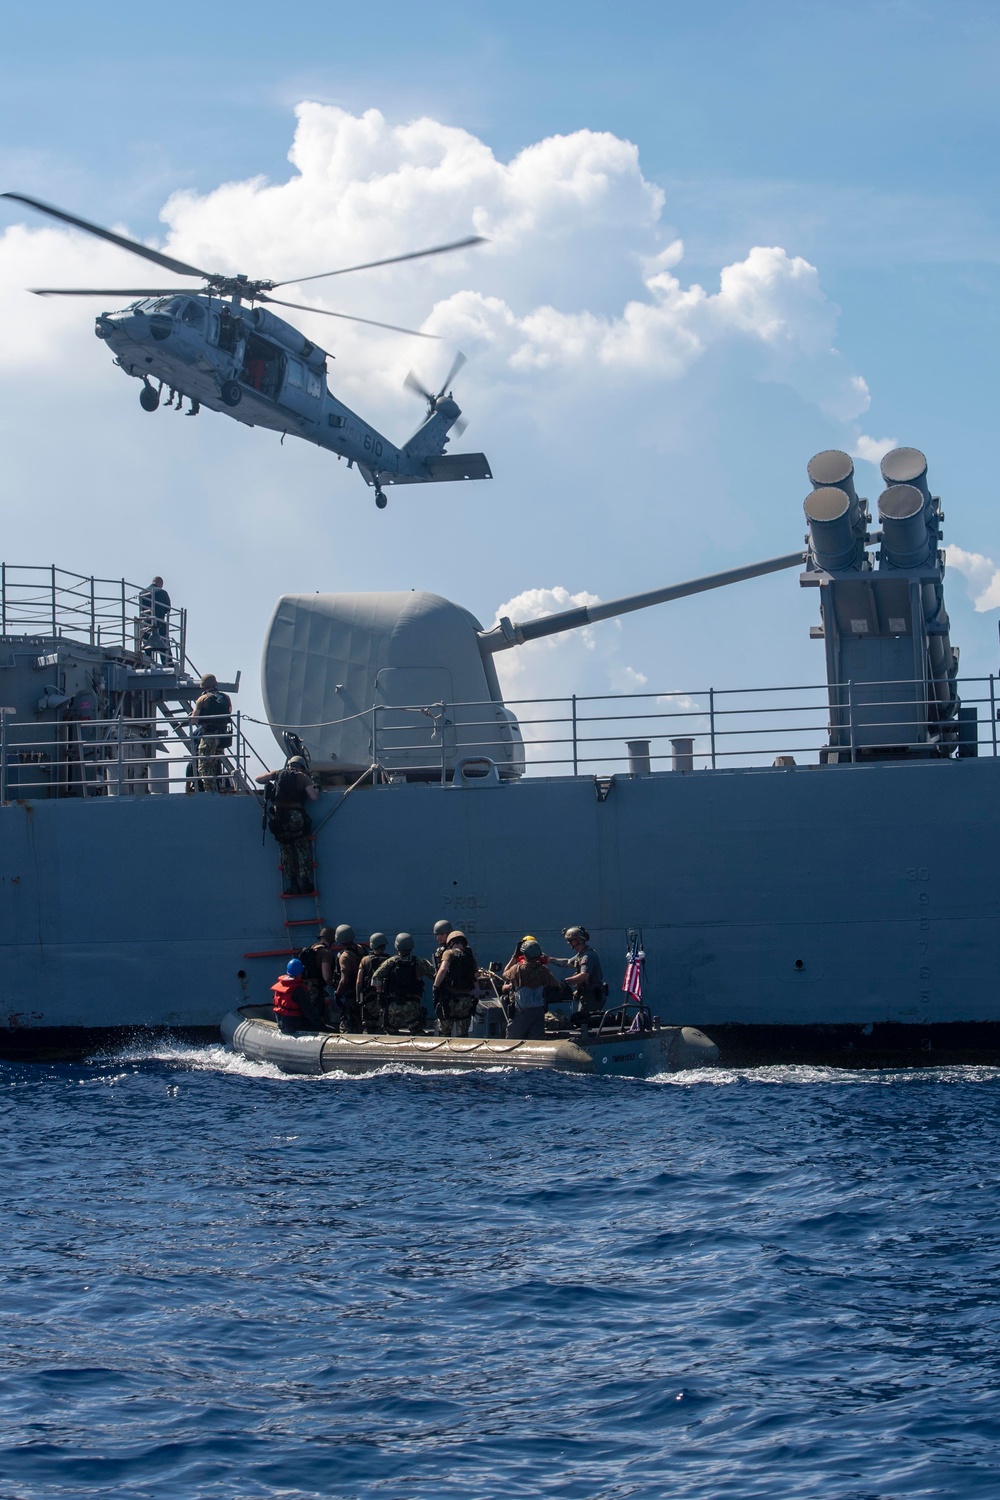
(809, 869)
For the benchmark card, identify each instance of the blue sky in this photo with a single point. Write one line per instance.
(859, 138)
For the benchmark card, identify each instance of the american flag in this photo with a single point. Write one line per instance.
(632, 983)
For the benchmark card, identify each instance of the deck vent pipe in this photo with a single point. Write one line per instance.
(639, 763)
(683, 749)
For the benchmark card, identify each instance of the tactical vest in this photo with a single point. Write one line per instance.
(288, 789)
(366, 972)
(213, 713)
(462, 970)
(312, 959)
(287, 993)
(404, 980)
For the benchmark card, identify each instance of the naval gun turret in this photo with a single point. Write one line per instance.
(891, 667)
(408, 681)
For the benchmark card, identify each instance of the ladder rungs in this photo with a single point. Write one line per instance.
(299, 895)
(304, 922)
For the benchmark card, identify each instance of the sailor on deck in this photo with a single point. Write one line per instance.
(211, 719)
(154, 622)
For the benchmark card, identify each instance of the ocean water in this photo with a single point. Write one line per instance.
(221, 1282)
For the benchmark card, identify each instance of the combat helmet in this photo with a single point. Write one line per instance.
(344, 934)
(404, 942)
(377, 940)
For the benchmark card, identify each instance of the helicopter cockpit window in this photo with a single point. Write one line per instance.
(193, 315)
(165, 305)
(294, 374)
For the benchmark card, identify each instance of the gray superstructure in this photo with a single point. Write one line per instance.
(810, 871)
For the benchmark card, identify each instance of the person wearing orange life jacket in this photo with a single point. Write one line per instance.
(291, 1000)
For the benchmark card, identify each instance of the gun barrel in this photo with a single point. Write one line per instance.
(509, 633)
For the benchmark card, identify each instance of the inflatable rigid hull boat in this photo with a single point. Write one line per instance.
(252, 1032)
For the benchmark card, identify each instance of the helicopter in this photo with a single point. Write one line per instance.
(219, 346)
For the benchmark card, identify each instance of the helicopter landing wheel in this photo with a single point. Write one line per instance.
(149, 399)
(231, 393)
(381, 499)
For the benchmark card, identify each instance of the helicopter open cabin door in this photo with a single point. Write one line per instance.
(263, 367)
(414, 721)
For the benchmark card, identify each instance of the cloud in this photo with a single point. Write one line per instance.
(572, 223)
(607, 387)
(981, 573)
(872, 450)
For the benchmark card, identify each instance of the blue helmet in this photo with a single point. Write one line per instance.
(295, 968)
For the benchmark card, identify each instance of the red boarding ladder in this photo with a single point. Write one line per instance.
(290, 924)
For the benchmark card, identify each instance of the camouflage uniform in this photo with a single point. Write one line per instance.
(211, 714)
(369, 1004)
(454, 1002)
(345, 996)
(313, 958)
(291, 826)
(400, 980)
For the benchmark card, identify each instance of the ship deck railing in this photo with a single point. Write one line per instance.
(105, 612)
(702, 729)
(117, 757)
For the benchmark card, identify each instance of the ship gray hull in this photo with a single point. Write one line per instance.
(837, 912)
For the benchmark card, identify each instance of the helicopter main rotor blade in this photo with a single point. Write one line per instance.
(166, 261)
(120, 291)
(392, 260)
(348, 317)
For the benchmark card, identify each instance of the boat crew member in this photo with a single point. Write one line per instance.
(288, 791)
(454, 982)
(210, 717)
(400, 984)
(369, 1005)
(291, 999)
(586, 977)
(345, 996)
(441, 931)
(318, 963)
(154, 615)
(529, 977)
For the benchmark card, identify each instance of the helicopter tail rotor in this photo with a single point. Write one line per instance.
(413, 383)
